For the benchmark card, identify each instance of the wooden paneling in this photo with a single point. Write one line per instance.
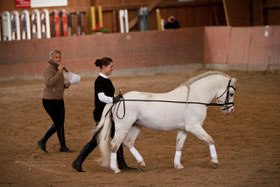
(244, 47)
(252, 12)
(257, 12)
(238, 12)
(271, 10)
(132, 50)
(273, 17)
(189, 14)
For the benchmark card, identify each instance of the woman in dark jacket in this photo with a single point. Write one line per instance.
(53, 100)
(104, 93)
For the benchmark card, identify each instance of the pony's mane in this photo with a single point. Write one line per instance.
(202, 75)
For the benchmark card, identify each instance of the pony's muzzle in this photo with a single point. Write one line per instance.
(228, 110)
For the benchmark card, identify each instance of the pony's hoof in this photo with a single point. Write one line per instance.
(179, 167)
(116, 171)
(214, 164)
(142, 166)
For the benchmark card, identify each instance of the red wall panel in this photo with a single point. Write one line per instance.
(245, 48)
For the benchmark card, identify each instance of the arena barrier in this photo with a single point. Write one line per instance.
(241, 48)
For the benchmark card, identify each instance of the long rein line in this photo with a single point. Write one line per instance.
(226, 104)
(170, 101)
(164, 101)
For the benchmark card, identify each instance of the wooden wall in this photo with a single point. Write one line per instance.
(238, 12)
(242, 48)
(196, 13)
(189, 14)
(271, 12)
(252, 12)
(131, 50)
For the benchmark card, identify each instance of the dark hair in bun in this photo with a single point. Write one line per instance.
(105, 61)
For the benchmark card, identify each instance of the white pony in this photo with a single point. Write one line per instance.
(183, 108)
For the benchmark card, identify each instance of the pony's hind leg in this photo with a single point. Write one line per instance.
(199, 132)
(129, 143)
(180, 140)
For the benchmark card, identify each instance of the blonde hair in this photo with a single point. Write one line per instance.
(55, 52)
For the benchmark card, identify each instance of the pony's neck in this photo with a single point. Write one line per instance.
(180, 93)
(206, 89)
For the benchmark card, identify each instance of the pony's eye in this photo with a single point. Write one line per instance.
(231, 95)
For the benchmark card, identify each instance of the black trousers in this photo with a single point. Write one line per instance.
(56, 110)
(93, 142)
(91, 145)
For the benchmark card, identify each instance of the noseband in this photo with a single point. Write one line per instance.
(227, 104)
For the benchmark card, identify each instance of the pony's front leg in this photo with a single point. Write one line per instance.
(199, 132)
(180, 140)
(214, 156)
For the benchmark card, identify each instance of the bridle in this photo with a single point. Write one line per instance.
(226, 105)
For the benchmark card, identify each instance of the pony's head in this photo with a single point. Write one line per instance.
(226, 97)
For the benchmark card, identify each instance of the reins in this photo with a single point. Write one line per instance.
(226, 104)
(169, 101)
(122, 100)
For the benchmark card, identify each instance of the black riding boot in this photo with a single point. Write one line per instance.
(42, 143)
(61, 138)
(121, 161)
(77, 163)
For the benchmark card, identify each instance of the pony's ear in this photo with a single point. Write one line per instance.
(233, 80)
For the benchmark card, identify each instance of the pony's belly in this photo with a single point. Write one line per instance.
(160, 125)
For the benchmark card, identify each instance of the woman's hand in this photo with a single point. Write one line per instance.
(60, 68)
(67, 85)
(117, 98)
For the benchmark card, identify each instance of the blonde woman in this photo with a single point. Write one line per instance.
(53, 100)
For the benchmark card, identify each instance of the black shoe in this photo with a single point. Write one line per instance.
(87, 149)
(42, 143)
(61, 138)
(65, 149)
(42, 146)
(77, 166)
(127, 168)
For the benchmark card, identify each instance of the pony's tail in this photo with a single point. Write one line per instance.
(104, 129)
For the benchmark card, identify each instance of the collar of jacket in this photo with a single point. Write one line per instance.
(51, 62)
